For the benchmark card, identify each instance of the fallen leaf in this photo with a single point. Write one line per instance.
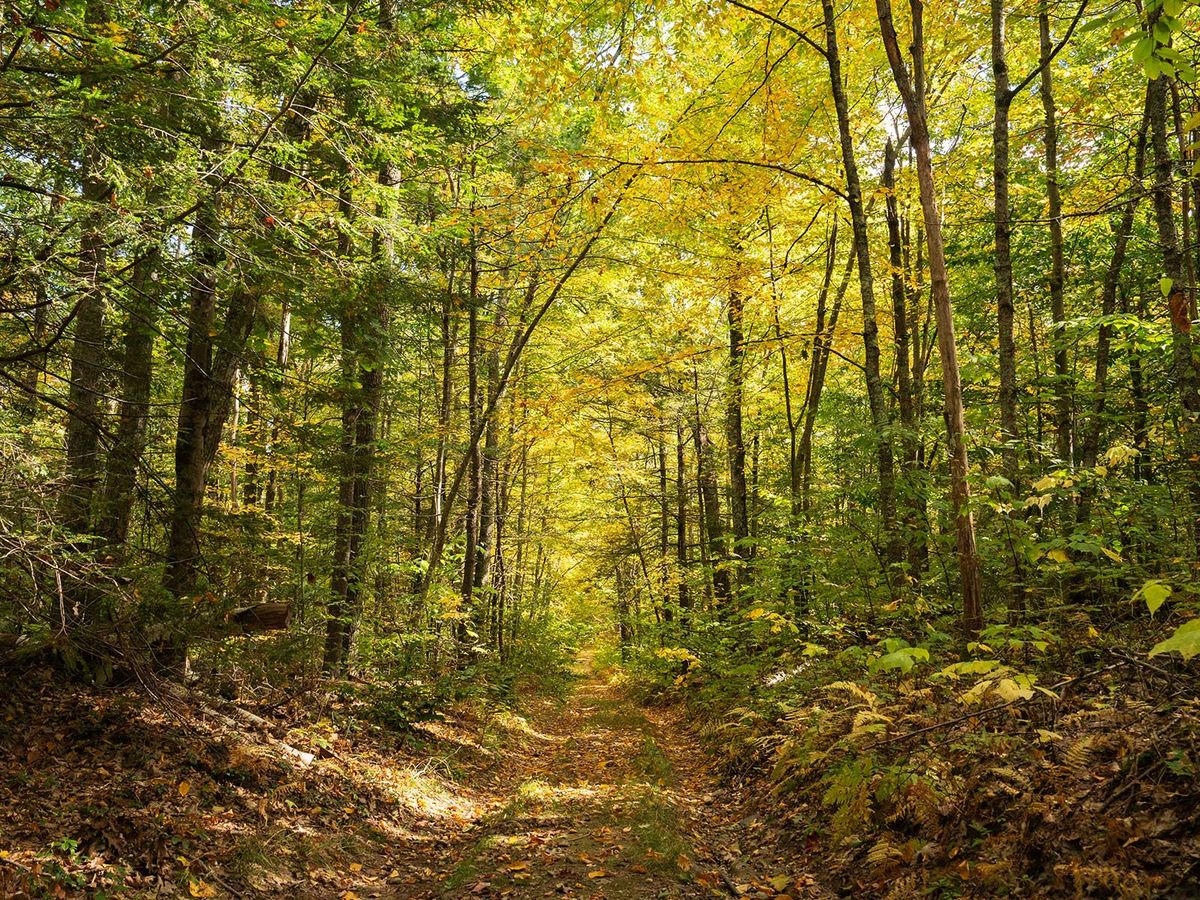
(201, 889)
(355, 867)
(599, 873)
(184, 787)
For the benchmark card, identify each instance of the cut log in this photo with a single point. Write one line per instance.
(262, 617)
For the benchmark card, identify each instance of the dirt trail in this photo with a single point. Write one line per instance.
(597, 798)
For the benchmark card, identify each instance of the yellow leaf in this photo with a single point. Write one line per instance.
(1009, 690)
(780, 882)
(518, 866)
(598, 873)
(1059, 555)
(1045, 484)
(184, 787)
(201, 889)
(1111, 554)
(355, 867)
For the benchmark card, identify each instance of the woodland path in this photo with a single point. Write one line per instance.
(596, 797)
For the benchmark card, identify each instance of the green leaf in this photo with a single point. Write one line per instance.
(1185, 641)
(1093, 24)
(1155, 593)
(897, 660)
(1165, 285)
(903, 659)
(1143, 50)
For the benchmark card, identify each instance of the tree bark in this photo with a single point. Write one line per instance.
(475, 468)
(714, 530)
(137, 369)
(1063, 400)
(1002, 98)
(880, 417)
(1108, 306)
(1183, 365)
(344, 578)
(913, 517)
(681, 505)
(210, 361)
(735, 441)
(87, 346)
(912, 91)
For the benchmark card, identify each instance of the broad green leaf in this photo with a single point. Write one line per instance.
(1155, 593)
(1185, 641)
(896, 660)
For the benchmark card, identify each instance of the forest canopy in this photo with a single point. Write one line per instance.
(406, 349)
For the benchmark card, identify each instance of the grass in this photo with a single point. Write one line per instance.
(652, 762)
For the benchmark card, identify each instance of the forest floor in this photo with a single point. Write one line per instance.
(574, 793)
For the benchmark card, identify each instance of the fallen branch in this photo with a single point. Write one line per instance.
(1134, 661)
(236, 719)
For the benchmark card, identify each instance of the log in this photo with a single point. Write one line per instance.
(262, 617)
(237, 719)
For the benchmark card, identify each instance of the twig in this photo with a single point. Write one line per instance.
(1133, 660)
(729, 882)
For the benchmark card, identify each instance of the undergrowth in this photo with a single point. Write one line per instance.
(1034, 758)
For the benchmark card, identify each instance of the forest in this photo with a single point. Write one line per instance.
(600, 448)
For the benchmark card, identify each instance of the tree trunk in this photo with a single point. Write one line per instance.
(880, 417)
(822, 349)
(1183, 368)
(912, 91)
(137, 368)
(714, 531)
(344, 579)
(664, 524)
(735, 441)
(282, 356)
(1002, 262)
(475, 467)
(1063, 400)
(913, 519)
(1108, 306)
(681, 504)
(208, 372)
